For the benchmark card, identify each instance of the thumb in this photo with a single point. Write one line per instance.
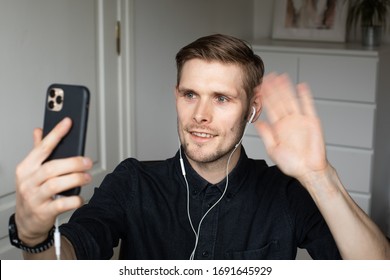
(266, 134)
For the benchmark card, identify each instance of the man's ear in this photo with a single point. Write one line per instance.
(256, 102)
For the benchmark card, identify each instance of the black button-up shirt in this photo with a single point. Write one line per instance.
(263, 215)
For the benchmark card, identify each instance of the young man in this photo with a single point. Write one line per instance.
(210, 201)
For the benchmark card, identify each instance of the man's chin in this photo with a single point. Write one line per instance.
(200, 153)
(204, 154)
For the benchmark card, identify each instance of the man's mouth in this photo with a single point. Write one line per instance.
(202, 134)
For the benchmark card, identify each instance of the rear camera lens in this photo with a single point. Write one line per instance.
(51, 104)
(59, 99)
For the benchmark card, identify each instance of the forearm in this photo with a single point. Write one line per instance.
(67, 252)
(356, 235)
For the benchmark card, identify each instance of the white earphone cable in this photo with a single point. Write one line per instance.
(192, 256)
(57, 235)
(57, 239)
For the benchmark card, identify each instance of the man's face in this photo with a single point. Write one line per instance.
(212, 109)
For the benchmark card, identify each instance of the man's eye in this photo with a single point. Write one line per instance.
(189, 95)
(222, 99)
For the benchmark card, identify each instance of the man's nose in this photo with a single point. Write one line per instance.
(203, 112)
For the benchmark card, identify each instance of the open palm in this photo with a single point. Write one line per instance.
(292, 136)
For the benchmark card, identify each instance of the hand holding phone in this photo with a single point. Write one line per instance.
(67, 101)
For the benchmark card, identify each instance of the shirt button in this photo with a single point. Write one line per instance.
(194, 192)
(205, 254)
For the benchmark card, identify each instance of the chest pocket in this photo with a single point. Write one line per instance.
(268, 252)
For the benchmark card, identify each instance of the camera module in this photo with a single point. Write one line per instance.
(55, 99)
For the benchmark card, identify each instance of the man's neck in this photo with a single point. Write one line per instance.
(214, 172)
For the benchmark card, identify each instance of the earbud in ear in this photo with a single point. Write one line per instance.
(253, 114)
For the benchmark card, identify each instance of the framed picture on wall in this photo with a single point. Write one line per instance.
(313, 20)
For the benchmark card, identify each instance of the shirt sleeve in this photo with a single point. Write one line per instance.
(312, 232)
(95, 228)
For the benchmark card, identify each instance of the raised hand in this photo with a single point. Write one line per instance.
(294, 141)
(292, 136)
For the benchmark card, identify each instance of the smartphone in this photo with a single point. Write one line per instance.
(67, 101)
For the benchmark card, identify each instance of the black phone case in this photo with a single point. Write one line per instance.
(75, 105)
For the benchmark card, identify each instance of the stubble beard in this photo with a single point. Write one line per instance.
(220, 153)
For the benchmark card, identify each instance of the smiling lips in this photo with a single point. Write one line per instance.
(202, 134)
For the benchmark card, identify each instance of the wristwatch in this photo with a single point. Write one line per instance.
(15, 241)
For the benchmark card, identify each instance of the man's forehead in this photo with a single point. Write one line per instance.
(212, 69)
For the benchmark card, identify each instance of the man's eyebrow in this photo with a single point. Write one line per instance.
(182, 89)
(185, 89)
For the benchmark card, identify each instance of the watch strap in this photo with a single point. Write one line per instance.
(15, 241)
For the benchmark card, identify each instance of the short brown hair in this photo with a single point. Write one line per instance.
(225, 49)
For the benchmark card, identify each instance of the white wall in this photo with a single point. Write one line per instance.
(262, 18)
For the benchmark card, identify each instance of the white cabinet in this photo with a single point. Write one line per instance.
(347, 87)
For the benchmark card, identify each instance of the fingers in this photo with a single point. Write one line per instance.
(279, 97)
(306, 100)
(35, 192)
(54, 177)
(33, 177)
(266, 135)
(45, 147)
(60, 167)
(66, 203)
(59, 184)
(37, 182)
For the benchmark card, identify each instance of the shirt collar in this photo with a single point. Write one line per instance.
(198, 184)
